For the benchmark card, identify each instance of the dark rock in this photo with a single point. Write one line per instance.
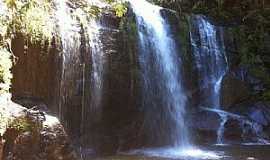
(253, 132)
(1, 149)
(260, 113)
(233, 91)
(205, 120)
(233, 131)
(35, 135)
(204, 125)
(243, 73)
(36, 73)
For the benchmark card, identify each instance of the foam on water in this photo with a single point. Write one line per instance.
(176, 153)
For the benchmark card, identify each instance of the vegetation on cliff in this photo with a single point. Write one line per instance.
(249, 21)
(5, 73)
(34, 20)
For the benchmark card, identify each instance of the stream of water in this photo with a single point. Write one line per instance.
(161, 79)
(164, 96)
(162, 86)
(70, 39)
(211, 62)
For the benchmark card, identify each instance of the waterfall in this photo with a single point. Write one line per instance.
(211, 63)
(2, 8)
(83, 65)
(93, 84)
(98, 65)
(164, 98)
(70, 71)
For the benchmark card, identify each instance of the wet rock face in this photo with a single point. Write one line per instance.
(204, 125)
(233, 91)
(35, 135)
(260, 113)
(36, 73)
(1, 147)
(253, 126)
(246, 123)
(233, 131)
(37, 78)
(243, 74)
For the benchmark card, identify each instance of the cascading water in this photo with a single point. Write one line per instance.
(211, 62)
(161, 76)
(82, 72)
(2, 8)
(164, 98)
(70, 39)
(93, 84)
(98, 66)
(248, 126)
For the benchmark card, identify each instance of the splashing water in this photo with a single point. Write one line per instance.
(176, 153)
(211, 62)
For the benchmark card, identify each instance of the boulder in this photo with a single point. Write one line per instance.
(260, 113)
(204, 124)
(244, 74)
(233, 131)
(35, 135)
(233, 91)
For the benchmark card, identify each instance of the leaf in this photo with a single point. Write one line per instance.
(11, 4)
(120, 9)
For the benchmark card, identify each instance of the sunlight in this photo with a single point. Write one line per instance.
(50, 121)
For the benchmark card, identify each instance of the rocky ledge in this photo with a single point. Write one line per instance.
(31, 134)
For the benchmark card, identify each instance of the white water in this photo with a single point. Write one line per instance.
(93, 83)
(69, 32)
(3, 8)
(160, 66)
(83, 68)
(158, 47)
(211, 62)
(98, 66)
(174, 153)
(247, 126)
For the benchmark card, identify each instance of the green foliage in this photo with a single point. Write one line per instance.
(93, 10)
(5, 73)
(250, 21)
(253, 47)
(24, 123)
(85, 10)
(3, 120)
(120, 9)
(129, 27)
(21, 124)
(31, 18)
(119, 6)
(266, 95)
(261, 73)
